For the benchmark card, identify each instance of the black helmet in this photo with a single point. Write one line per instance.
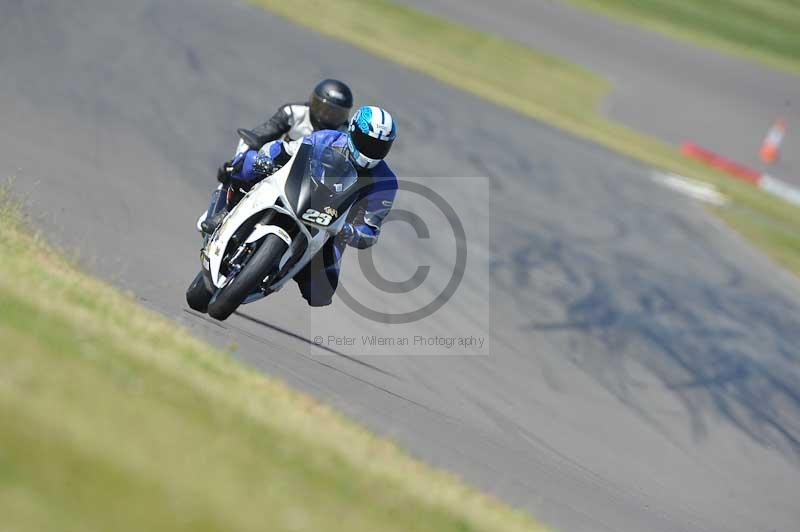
(330, 104)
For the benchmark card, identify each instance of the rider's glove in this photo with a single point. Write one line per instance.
(263, 166)
(347, 233)
(224, 173)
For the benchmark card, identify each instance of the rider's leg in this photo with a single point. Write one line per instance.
(217, 204)
(320, 277)
(217, 210)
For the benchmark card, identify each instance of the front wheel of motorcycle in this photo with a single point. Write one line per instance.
(227, 299)
(197, 295)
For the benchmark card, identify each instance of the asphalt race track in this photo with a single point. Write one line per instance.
(667, 89)
(643, 372)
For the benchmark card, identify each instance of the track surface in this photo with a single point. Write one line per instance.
(668, 89)
(644, 366)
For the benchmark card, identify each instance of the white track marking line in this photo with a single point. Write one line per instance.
(780, 188)
(691, 187)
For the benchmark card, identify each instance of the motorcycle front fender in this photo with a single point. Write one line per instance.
(262, 197)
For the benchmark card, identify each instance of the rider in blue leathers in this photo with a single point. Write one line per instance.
(369, 137)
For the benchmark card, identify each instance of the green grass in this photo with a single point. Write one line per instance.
(537, 86)
(764, 30)
(113, 419)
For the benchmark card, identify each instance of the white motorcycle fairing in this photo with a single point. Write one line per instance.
(267, 195)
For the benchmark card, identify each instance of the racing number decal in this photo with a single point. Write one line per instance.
(316, 217)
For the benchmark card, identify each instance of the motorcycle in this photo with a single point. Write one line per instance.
(274, 230)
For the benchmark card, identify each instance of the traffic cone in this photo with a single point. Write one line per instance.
(771, 147)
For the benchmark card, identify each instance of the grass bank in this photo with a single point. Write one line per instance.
(543, 88)
(112, 419)
(762, 30)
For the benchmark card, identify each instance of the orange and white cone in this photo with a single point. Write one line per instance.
(771, 147)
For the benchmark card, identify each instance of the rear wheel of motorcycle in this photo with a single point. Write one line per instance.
(247, 281)
(197, 295)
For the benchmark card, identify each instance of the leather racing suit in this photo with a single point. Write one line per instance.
(377, 189)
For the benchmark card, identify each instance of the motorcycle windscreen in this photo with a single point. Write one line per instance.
(329, 188)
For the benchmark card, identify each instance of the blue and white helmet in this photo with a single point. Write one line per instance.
(372, 131)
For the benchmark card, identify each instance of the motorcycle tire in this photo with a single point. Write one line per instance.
(197, 295)
(227, 299)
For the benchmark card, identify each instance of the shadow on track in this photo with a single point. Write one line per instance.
(309, 342)
(350, 359)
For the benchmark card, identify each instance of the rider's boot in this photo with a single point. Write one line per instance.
(217, 209)
(210, 225)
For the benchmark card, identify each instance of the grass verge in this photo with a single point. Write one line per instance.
(113, 419)
(537, 86)
(763, 30)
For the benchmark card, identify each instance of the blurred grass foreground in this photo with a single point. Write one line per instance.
(111, 418)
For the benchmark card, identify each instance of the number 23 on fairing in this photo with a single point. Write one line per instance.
(316, 217)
